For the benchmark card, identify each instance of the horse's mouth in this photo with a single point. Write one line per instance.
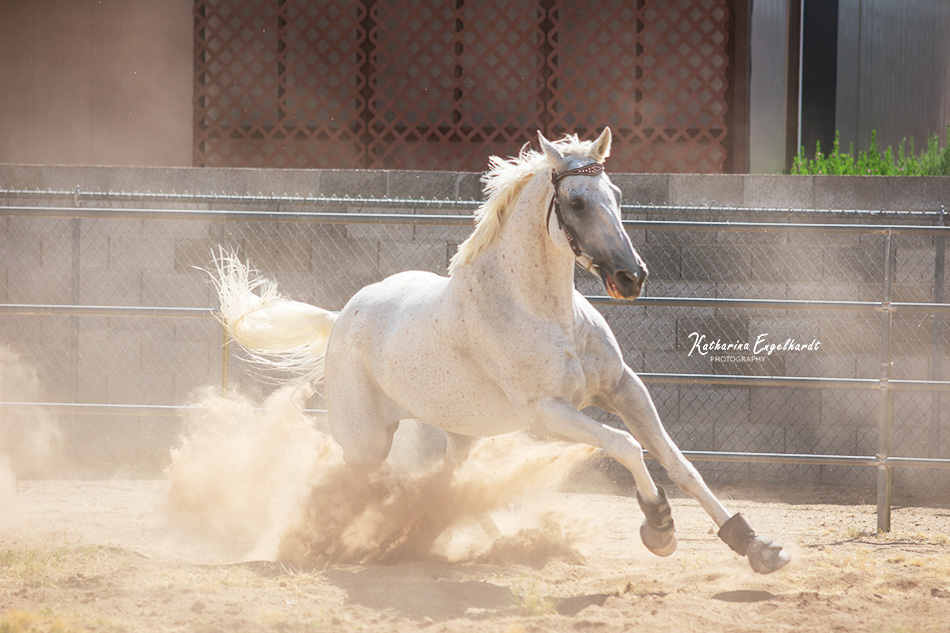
(614, 290)
(610, 284)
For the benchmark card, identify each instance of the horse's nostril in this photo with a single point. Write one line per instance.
(624, 278)
(627, 279)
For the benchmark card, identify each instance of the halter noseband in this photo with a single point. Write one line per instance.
(593, 169)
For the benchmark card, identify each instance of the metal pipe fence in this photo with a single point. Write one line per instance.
(873, 293)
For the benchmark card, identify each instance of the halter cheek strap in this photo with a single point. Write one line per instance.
(593, 169)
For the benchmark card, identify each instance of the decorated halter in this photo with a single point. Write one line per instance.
(593, 169)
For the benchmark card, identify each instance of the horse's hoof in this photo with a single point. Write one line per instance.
(657, 530)
(766, 556)
(660, 542)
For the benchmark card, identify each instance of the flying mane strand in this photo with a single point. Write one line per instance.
(503, 183)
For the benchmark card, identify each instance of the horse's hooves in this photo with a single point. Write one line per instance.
(660, 542)
(766, 556)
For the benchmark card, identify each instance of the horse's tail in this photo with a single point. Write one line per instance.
(276, 332)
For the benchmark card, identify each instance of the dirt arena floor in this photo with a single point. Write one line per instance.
(101, 556)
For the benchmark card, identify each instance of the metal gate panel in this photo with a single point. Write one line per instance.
(423, 85)
(654, 71)
(235, 83)
(323, 85)
(452, 84)
(278, 84)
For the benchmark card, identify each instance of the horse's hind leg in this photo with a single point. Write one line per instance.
(458, 447)
(361, 418)
(633, 403)
(457, 450)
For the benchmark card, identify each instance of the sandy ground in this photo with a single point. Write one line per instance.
(101, 556)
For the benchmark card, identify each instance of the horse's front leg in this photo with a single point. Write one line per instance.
(634, 404)
(560, 420)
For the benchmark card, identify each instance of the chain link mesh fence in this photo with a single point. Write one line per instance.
(841, 302)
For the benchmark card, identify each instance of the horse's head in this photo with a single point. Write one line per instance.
(586, 207)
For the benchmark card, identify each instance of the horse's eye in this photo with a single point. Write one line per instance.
(578, 203)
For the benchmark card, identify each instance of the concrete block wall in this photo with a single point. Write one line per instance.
(155, 263)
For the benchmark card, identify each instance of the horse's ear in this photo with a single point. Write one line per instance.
(601, 148)
(554, 155)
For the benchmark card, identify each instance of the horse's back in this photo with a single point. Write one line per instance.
(384, 311)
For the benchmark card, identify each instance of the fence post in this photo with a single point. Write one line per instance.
(225, 361)
(226, 346)
(936, 364)
(75, 297)
(887, 404)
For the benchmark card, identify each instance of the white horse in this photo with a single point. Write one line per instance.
(503, 343)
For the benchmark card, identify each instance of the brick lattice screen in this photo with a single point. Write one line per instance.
(441, 85)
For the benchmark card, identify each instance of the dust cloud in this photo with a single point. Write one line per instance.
(30, 438)
(262, 481)
(241, 468)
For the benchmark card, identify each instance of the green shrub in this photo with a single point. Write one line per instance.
(934, 161)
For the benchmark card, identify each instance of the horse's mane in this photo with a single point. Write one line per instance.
(503, 184)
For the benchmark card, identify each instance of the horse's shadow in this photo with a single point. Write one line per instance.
(437, 599)
(423, 593)
(388, 589)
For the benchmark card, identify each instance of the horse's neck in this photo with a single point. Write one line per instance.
(524, 262)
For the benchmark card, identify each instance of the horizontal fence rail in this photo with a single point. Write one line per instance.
(359, 217)
(882, 308)
(80, 197)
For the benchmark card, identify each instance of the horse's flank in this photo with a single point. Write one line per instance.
(503, 182)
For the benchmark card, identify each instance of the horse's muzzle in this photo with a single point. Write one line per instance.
(624, 284)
